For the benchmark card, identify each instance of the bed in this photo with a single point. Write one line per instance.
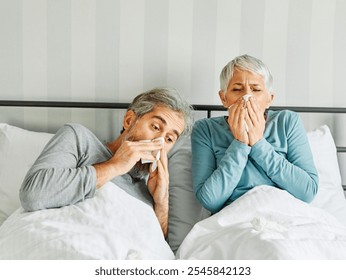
(265, 223)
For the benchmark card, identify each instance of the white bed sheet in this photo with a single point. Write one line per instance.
(112, 225)
(266, 223)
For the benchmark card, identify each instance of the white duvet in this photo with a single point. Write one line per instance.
(112, 225)
(266, 223)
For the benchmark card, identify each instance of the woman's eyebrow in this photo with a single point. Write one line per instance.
(241, 84)
(165, 123)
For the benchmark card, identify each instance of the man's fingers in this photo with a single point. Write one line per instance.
(144, 146)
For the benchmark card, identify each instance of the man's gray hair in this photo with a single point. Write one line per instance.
(168, 97)
(248, 63)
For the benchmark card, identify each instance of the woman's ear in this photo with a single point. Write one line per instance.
(223, 99)
(129, 119)
(270, 99)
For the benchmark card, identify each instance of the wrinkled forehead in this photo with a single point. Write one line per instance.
(241, 75)
(173, 120)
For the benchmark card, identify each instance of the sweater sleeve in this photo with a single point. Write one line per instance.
(57, 178)
(212, 184)
(295, 173)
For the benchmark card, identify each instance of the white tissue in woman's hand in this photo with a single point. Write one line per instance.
(246, 97)
(156, 154)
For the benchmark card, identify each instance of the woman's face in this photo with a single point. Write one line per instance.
(245, 82)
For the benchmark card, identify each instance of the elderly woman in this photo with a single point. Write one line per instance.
(252, 145)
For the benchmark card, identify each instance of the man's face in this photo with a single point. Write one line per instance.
(161, 122)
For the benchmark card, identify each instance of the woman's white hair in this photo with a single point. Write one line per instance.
(248, 63)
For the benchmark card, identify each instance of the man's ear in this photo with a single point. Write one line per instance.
(129, 119)
(223, 98)
(270, 99)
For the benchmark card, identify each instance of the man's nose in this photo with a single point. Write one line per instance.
(160, 134)
(160, 137)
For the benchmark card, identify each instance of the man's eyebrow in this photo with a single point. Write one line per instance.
(165, 123)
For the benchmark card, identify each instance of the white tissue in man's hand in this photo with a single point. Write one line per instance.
(156, 154)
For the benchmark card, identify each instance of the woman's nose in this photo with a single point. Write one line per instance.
(247, 90)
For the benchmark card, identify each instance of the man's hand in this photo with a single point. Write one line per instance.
(126, 156)
(158, 183)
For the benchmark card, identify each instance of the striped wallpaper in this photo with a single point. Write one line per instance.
(111, 50)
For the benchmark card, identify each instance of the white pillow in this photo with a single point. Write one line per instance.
(19, 148)
(330, 195)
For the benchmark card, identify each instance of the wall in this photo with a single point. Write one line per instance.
(110, 50)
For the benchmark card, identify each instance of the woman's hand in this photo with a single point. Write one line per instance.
(255, 120)
(246, 121)
(236, 118)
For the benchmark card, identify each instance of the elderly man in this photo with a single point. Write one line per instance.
(75, 163)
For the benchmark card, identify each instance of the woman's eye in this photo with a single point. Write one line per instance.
(236, 89)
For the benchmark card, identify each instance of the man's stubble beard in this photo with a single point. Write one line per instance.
(140, 170)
